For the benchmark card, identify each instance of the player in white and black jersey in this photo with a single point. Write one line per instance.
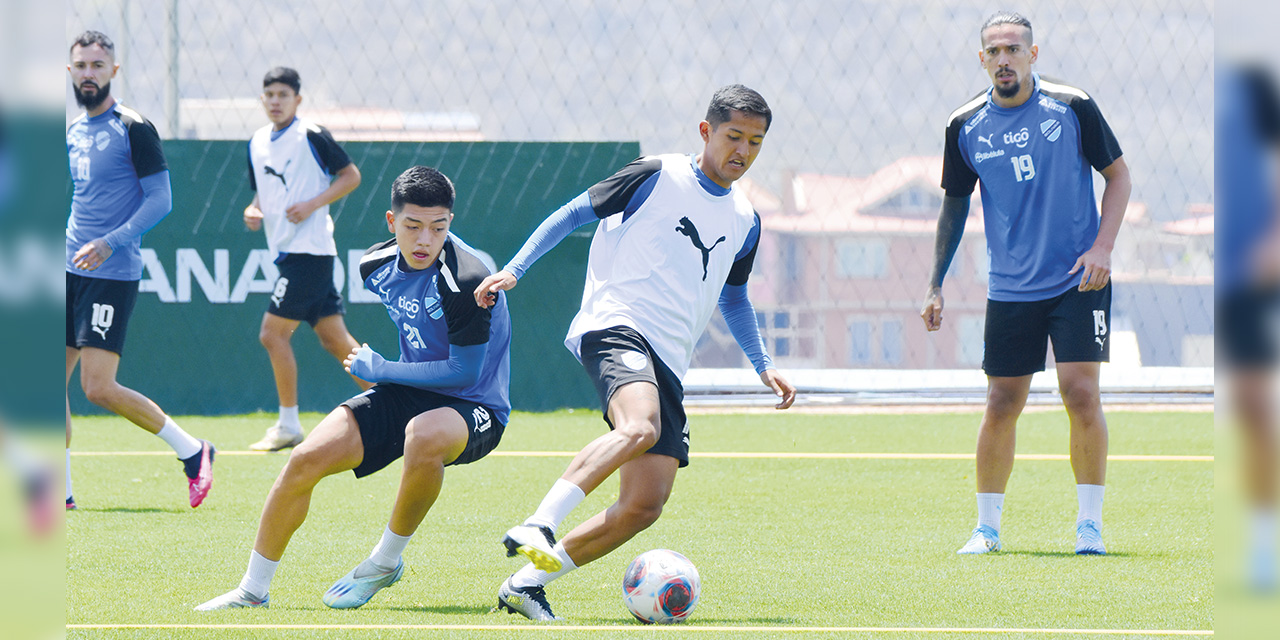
(290, 164)
(1033, 144)
(675, 239)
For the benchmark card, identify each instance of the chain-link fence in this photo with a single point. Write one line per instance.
(847, 183)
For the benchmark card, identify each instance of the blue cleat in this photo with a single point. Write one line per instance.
(350, 592)
(984, 540)
(1089, 539)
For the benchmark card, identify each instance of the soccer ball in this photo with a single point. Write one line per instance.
(661, 586)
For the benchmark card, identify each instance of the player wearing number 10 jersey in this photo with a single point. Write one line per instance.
(1032, 144)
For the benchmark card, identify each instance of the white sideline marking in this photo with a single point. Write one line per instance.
(743, 454)
(647, 628)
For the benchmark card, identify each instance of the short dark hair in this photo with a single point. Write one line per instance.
(1006, 17)
(90, 38)
(736, 97)
(283, 75)
(423, 187)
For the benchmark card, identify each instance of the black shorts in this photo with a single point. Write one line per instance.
(620, 355)
(98, 311)
(384, 412)
(1248, 327)
(304, 291)
(1017, 333)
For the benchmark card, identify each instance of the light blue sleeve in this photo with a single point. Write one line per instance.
(741, 318)
(461, 369)
(157, 201)
(555, 228)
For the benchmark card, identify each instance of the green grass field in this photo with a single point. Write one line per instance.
(782, 543)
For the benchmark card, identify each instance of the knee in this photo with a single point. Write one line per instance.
(640, 435)
(640, 515)
(305, 467)
(426, 446)
(101, 393)
(1081, 397)
(1003, 406)
(272, 340)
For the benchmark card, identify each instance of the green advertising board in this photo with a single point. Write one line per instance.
(193, 339)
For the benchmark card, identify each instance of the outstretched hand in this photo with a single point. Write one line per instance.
(487, 293)
(781, 388)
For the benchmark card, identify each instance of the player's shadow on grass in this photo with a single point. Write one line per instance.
(132, 510)
(1065, 554)
(449, 610)
(695, 620)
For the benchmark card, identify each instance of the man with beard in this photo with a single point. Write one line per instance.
(1031, 143)
(121, 191)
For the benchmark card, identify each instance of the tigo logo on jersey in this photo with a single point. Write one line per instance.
(1052, 129)
(1020, 138)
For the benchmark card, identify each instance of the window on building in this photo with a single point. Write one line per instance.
(859, 342)
(891, 342)
(861, 258)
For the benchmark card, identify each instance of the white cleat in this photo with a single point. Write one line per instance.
(530, 602)
(236, 599)
(278, 438)
(535, 543)
(984, 540)
(1089, 539)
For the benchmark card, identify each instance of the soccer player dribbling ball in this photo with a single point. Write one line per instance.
(675, 239)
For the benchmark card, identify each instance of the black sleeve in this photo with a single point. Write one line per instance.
(958, 179)
(741, 268)
(1097, 142)
(611, 195)
(332, 157)
(376, 256)
(253, 179)
(1266, 103)
(145, 147)
(460, 274)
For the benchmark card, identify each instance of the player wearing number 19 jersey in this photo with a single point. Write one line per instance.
(1033, 144)
(121, 190)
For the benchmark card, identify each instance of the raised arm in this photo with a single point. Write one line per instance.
(556, 227)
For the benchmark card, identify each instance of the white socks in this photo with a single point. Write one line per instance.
(257, 578)
(386, 555)
(289, 419)
(563, 497)
(1090, 498)
(990, 508)
(182, 443)
(68, 473)
(531, 576)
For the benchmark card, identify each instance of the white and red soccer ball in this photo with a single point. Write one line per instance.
(661, 586)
